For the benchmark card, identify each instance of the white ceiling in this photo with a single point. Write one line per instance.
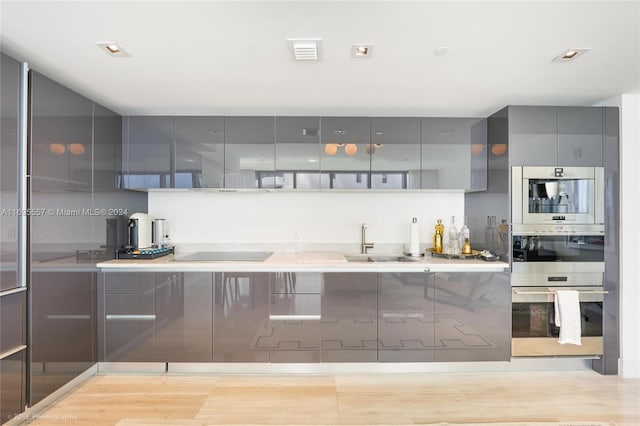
(231, 57)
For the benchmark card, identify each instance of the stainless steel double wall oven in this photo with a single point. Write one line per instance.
(557, 242)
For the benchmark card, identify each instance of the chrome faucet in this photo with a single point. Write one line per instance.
(364, 245)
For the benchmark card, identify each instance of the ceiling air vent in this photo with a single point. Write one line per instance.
(304, 49)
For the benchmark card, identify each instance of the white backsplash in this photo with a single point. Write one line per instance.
(296, 221)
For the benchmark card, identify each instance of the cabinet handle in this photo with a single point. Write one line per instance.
(132, 317)
(12, 291)
(13, 351)
(553, 292)
(69, 317)
(402, 315)
(295, 317)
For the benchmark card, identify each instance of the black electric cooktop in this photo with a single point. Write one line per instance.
(225, 256)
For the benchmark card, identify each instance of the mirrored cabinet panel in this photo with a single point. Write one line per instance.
(395, 153)
(302, 152)
(107, 149)
(199, 158)
(250, 152)
(297, 153)
(147, 152)
(344, 154)
(61, 135)
(454, 153)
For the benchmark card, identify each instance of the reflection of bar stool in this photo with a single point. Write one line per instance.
(231, 287)
(289, 281)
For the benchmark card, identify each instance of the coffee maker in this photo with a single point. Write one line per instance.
(140, 231)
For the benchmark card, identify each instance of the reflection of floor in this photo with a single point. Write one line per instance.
(347, 333)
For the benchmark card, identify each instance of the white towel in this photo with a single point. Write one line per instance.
(568, 317)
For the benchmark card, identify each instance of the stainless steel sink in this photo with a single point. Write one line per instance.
(379, 258)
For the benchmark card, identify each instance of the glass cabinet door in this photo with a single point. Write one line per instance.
(395, 153)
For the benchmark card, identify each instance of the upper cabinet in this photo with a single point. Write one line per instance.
(107, 149)
(580, 136)
(249, 157)
(147, 152)
(345, 142)
(297, 154)
(395, 153)
(61, 137)
(550, 136)
(454, 153)
(292, 152)
(199, 152)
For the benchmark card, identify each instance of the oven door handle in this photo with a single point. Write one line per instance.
(553, 292)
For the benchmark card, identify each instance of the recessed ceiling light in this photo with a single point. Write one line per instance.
(570, 54)
(113, 49)
(304, 49)
(361, 51)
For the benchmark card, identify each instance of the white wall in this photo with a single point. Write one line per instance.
(630, 230)
(292, 221)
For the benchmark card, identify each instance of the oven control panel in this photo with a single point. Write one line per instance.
(557, 229)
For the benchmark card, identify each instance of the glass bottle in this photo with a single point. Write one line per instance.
(454, 239)
(464, 232)
(466, 247)
(438, 237)
(490, 234)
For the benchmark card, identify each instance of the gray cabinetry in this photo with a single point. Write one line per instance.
(12, 354)
(295, 312)
(297, 153)
(107, 149)
(129, 316)
(454, 153)
(12, 385)
(147, 152)
(249, 152)
(580, 136)
(61, 136)
(395, 152)
(549, 135)
(349, 324)
(63, 328)
(405, 317)
(199, 152)
(184, 317)
(344, 156)
(472, 316)
(241, 317)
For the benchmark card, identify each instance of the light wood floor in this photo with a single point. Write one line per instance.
(424, 398)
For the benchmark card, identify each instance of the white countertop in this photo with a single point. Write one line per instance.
(307, 261)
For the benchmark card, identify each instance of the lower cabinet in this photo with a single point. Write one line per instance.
(406, 326)
(295, 314)
(241, 317)
(63, 329)
(184, 317)
(349, 325)
(305, 317)
(13, 354)
(12, 385)
(129, 316)
(472, 316)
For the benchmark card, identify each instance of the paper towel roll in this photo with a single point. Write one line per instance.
(414, 244)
